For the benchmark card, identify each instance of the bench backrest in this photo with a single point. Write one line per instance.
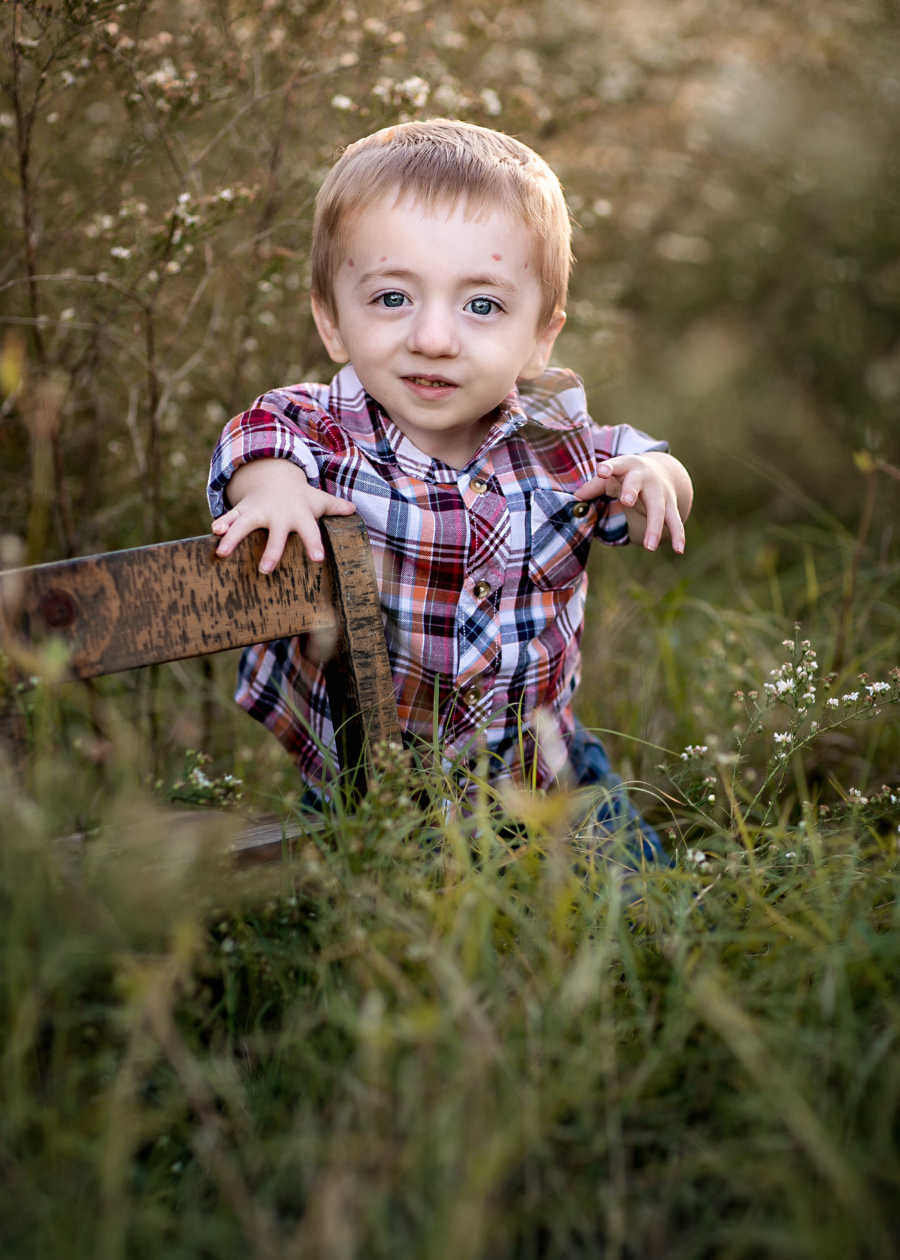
(174, 600)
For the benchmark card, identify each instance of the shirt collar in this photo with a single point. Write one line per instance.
(553, 401)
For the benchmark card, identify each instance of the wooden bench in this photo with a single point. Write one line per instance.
(175, 600)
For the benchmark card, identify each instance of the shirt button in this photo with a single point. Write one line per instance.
(472, 695)
(478, 485)
(481, 590)
(581, 508)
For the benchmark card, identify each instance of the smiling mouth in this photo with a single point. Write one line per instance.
(430, 382)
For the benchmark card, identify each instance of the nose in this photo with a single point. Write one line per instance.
(432, 333)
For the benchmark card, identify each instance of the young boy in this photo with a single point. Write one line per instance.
(440, 264)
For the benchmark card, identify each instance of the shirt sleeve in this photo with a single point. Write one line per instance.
(619, 439)
(273, 428)
(557, 400)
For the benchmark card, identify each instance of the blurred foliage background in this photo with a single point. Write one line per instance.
(733, 171)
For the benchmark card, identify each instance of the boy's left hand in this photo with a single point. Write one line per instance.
(655, 493)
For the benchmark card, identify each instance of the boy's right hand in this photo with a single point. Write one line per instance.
(274, 494)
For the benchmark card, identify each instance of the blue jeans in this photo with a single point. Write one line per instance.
(615, 816)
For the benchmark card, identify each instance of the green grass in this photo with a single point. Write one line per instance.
(433, 1035)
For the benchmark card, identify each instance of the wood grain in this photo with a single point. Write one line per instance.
(166, 602)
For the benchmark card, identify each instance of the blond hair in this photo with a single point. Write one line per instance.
(437, 161)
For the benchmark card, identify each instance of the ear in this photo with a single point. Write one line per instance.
(328, 330)
(543, 347)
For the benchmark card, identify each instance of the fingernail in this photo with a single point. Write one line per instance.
(266, 566)
(650, 541)
(317, 555)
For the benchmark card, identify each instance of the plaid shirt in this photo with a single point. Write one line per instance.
(481, 570)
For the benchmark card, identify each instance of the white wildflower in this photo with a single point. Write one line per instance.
(491, 101)
(415, 90)
(341, 102)
(448, 97)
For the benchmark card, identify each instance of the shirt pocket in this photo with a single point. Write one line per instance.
(561, 529)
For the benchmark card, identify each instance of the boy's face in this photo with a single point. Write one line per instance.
(438, 313)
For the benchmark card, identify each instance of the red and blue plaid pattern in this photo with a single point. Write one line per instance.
(481, 570)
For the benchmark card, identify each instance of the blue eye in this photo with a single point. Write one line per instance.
(482, 306)
(391, 300)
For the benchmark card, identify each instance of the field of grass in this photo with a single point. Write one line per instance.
(436, 1036)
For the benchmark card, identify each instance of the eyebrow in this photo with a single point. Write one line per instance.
(485, 280)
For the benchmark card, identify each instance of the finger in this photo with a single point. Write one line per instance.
(619, 466)
(334, 506)
(310, 536)
(676, 528)
(598, 486)
(631, 488)
(234, 532)
(591, 489)
(654, 508)
(273, 550)
(222, 523)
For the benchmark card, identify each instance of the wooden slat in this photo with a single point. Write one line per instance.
(166, 602)
(358, 676)
(169, 601)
